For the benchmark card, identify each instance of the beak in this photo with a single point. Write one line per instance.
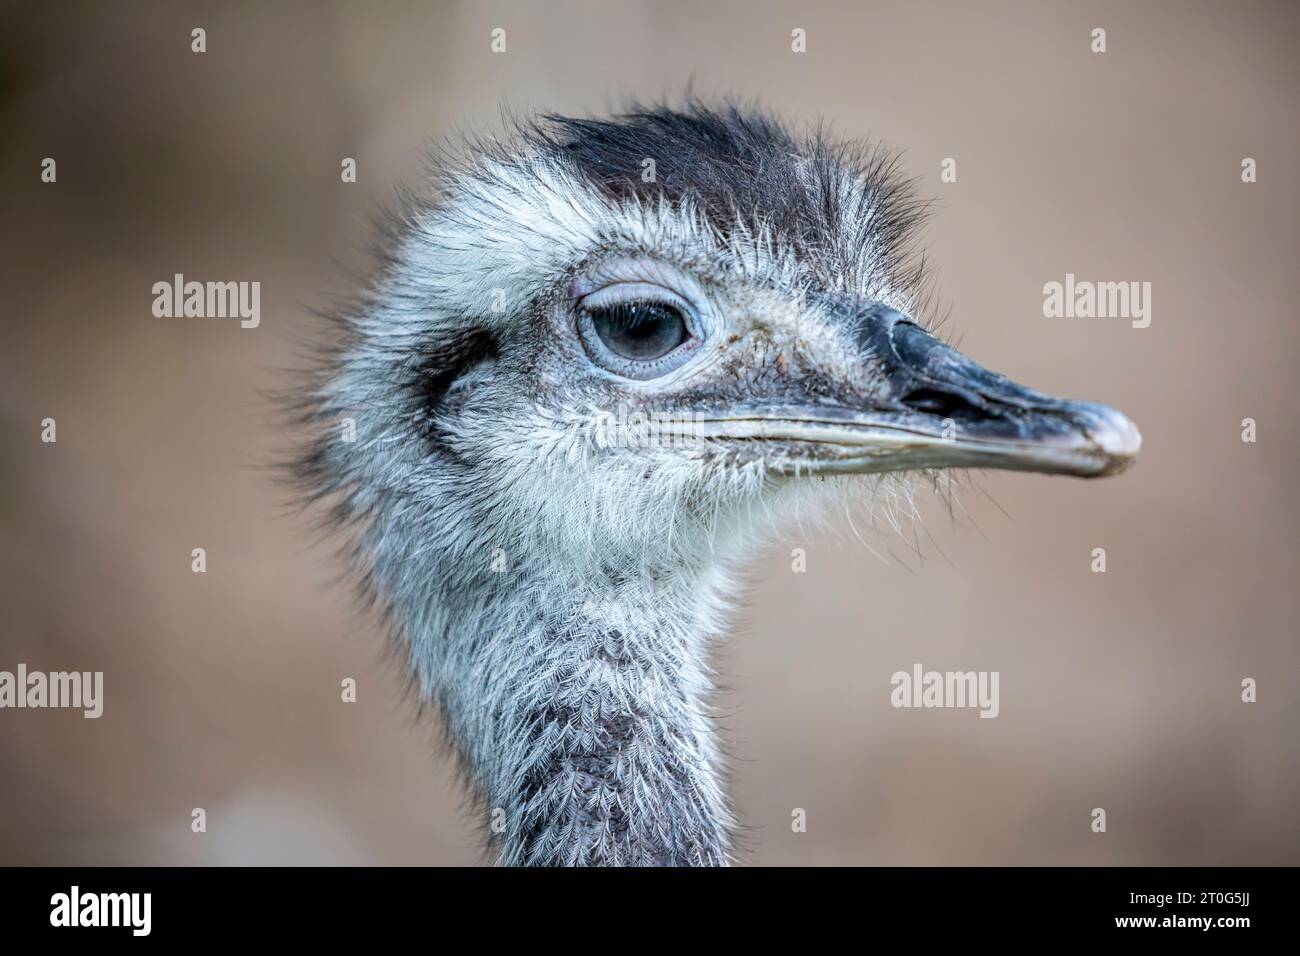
(939, 409)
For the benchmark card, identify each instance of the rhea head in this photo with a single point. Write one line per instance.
(556, 580)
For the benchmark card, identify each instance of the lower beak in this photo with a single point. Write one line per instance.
(939, 410)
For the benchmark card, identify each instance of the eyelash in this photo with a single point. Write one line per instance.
(643, 293)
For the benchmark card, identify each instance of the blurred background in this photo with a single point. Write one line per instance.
(1118, 690)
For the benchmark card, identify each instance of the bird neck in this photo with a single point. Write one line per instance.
(579, 702)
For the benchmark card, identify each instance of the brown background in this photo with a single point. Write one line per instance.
(1118, 690)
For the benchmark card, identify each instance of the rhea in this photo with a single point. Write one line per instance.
(557, 579)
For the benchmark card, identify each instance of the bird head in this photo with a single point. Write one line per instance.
(656, 319)
(599, 356)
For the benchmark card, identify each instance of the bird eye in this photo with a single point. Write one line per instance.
(640, 331)
(635, 333)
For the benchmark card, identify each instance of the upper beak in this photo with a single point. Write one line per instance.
(940, 409)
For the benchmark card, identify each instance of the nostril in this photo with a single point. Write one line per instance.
(932, 401)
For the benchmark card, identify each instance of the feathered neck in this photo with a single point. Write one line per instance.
(578, 701)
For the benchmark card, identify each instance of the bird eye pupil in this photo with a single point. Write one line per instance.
(640, 331)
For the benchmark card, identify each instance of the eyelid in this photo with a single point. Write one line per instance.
(645, 272)
(620, 293)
